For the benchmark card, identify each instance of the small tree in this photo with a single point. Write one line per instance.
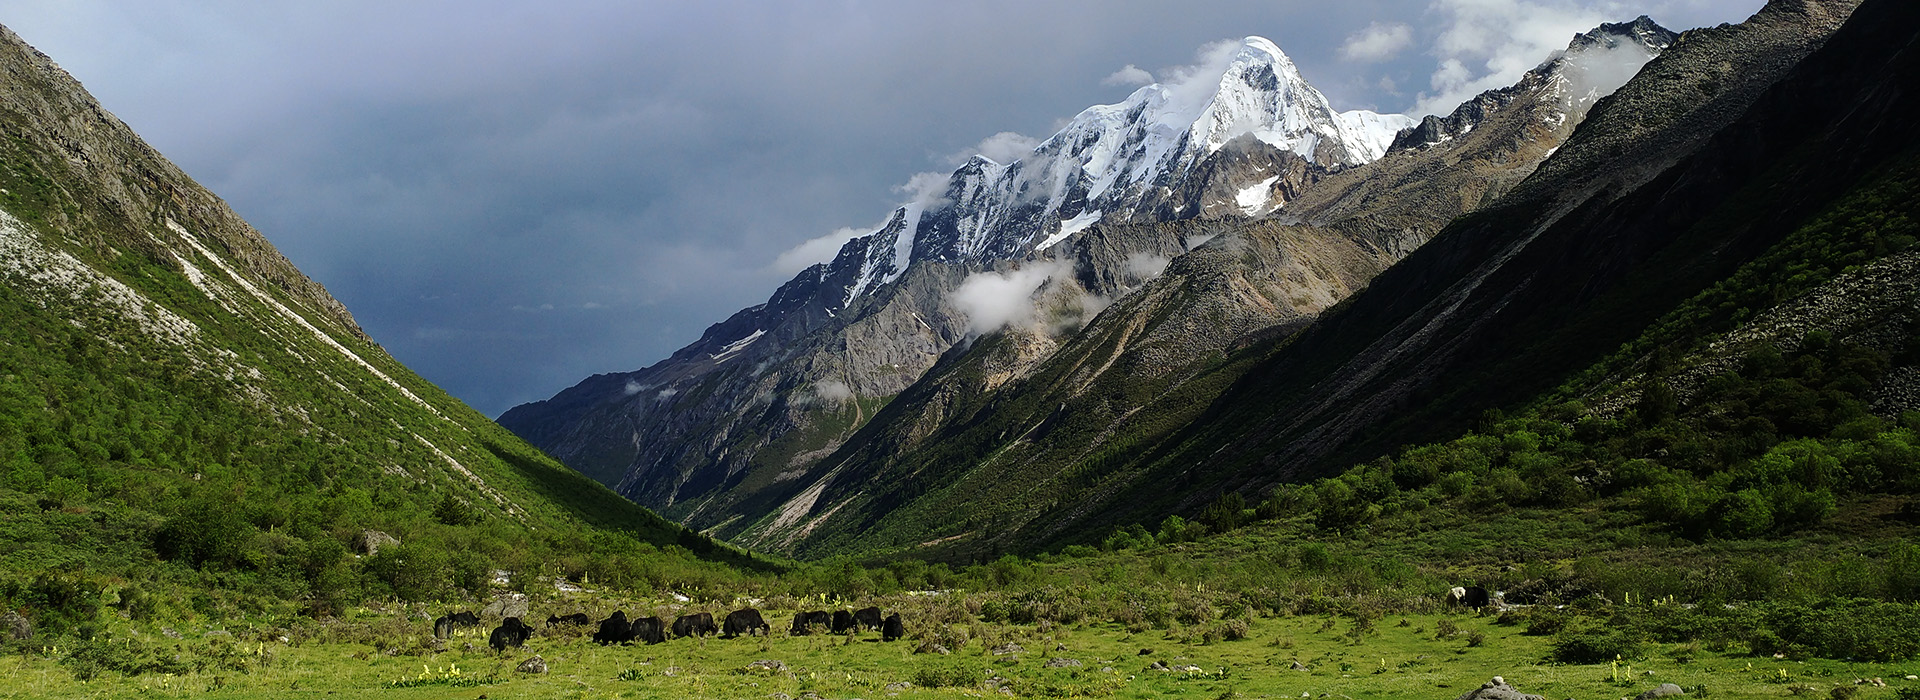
(1226, 512)
(203, 531)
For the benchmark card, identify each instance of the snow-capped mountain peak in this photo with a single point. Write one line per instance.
(1150, 157)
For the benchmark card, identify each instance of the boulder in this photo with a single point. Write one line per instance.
(533, 665)
(1063, 663)
(512, 605)
(767, 665)
(1665, 689)
(1497, 689)
(16, 626)
(370, 541)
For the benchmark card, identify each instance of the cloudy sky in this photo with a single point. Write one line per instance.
(511, 196)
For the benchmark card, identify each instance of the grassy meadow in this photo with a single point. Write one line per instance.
(1274, 609)
(388, 652)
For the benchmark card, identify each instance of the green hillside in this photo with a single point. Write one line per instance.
(184, 414)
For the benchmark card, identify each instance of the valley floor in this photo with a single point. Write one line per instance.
(1396, 656)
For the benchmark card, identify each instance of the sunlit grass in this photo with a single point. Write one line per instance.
(1394, 656)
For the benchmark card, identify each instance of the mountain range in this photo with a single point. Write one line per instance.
(1175, 304)
(1259, 192)
(1180, 298)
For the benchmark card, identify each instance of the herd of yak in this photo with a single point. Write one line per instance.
(617, 629)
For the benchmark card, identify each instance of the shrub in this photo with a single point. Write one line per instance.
(1745, 513)
(203, 531)
(1177, 529)
(414, 572)
(1130, 537)
(96, 651)
(1232, 630)
(1546, 622)
(453, 511)
(1595, 646)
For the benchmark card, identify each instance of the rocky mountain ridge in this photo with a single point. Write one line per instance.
(1055, 416)
(719, 432)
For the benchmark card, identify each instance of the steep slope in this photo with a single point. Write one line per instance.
(1710, 156)
(965, 447)
(765, 394)
(172, 387)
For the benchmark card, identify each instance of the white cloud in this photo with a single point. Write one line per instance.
(994, 300)
(817, 250)
(1487, 44)
(831, 390)
(1131, 75)
(926, 190)
(1378, 42)
(1189, 88)
(1004, 147)
(1146, 266)
(634, 387)
(666, 393)
(1598, 72)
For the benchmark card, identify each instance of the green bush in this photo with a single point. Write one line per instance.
(1595, 646)
(412, 571)
(204, 531)
(96, 651)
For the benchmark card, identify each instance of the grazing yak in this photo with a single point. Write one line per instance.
(695, 625)
(574, 619)
(443, 627)
(510, 634)
(804, 622)
(650, 630)
(1470, 596)
(867, 618)
(842, 622)
(892, 629)
(614, 630)
(744, 621)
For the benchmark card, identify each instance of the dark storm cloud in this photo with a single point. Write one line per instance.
(511, 195)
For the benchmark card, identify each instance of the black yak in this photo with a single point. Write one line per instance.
(650, 630)
(804, 622)
(867, 618)
(614, 630)
(574, 619)
(511, 633)
(695, 625)
(744, 621)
